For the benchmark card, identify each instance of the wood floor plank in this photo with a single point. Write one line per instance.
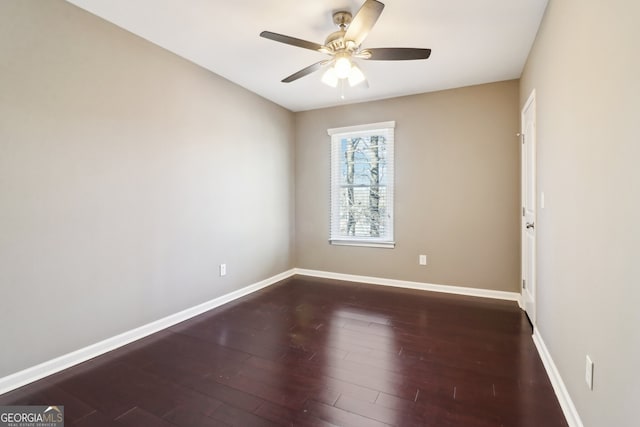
(370, 410)
(288, 417)
(139, 417)
(237, 417)
(44, 393)
(190, 415)
(341, 417)
(96, 419)
(229, 395)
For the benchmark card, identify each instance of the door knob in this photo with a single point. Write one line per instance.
(530, 225)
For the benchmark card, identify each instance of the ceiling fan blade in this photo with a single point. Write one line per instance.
(293, 41)
(394, 53)
(306, 71)
(364, 20)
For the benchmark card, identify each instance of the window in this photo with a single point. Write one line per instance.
(362, 185)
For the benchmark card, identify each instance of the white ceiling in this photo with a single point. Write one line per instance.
(472, 42)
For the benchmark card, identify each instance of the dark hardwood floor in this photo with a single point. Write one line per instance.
(314, 352)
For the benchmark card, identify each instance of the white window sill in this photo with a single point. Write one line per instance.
(362, 243)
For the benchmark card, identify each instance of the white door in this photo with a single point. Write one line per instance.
(528, 184)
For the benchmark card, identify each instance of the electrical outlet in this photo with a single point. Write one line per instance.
(422, 260)
(588, 373)
(223, 270)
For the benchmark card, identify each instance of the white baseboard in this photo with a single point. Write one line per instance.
(568, 408)
(458, 290)
(29, 375)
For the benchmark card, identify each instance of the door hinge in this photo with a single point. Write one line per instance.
(523, 211)
(522, 137)
(524, 284)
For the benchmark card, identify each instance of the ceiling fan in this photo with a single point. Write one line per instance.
(344, 46)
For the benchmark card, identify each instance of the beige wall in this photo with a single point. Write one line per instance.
(457, 188)
(127, 175)
(585, 69)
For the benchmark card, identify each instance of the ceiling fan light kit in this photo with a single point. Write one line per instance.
(330, 78)
(342, 66)
(354, 76)
(344, 46)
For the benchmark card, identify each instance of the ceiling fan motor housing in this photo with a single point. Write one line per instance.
(335, 41)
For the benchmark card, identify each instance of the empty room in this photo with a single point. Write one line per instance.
(319, 213)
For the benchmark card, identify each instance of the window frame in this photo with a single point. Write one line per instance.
(387, 129)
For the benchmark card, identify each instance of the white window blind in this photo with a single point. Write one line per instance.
(362, 185)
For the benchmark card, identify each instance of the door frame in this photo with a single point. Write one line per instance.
(530, 139)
